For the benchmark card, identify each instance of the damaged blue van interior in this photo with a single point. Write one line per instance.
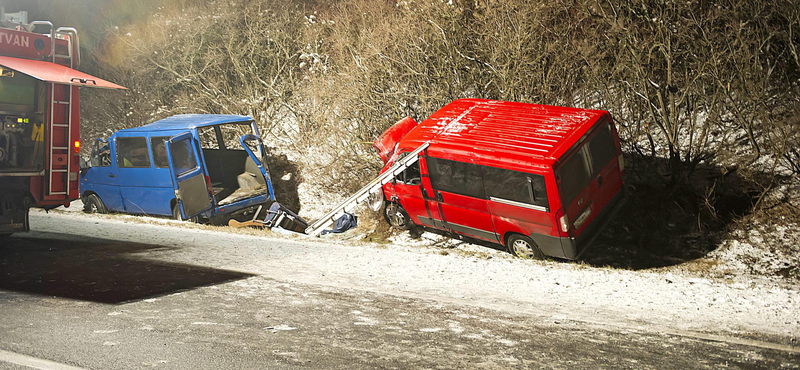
(189, 166)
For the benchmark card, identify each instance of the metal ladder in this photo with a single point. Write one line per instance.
(373, 187)
(61, 99)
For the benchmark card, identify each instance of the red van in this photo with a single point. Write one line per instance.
(541, 180)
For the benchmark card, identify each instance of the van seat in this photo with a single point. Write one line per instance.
(251, 167)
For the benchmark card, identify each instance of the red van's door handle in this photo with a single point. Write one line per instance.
(600, 180)
(439, 197)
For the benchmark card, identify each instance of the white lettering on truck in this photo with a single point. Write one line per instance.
(15, 40)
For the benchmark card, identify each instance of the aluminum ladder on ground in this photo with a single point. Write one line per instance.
(373, 187)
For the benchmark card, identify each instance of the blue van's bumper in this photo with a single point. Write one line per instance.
(572, 248)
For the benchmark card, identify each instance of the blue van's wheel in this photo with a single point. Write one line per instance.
(176, 214)
(93, 204)
(396, 216)
(524, 247)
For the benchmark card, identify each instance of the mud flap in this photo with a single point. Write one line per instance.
(14, 217)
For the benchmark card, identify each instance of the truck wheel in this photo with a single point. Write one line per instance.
(396, 216)
(93, 204)
(524, 247)
(176, 214)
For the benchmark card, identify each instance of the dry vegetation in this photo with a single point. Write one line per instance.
(705, 93)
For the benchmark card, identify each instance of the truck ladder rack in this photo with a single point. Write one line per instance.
(371, 188)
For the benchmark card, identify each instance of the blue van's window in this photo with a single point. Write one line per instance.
(231, 133)
(102, 158)
(132, 152)
(183, 157)
(159, 147)
(208, 137)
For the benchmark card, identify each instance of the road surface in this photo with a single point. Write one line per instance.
(99, 293)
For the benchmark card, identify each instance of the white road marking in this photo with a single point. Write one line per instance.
(33, 362)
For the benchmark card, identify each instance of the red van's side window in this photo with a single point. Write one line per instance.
(411, 176)
(456, 177)
(515, 186)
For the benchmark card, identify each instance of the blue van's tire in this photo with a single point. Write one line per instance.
(176, 214)
(93, 204)
(524, 247)
(396, 216)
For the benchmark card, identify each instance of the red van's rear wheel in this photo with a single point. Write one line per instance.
(524, 247)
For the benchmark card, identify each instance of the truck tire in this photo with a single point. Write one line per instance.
(524, 247)
(396, 216)
(93, 204)
(176, 214)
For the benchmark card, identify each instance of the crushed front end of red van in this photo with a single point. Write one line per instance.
(541, 180)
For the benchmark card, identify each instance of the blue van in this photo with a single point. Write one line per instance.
(189, 166)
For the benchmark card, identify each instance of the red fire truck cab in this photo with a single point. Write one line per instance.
(39, 117)
(541, 180)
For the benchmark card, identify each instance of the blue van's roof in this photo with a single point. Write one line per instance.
(189, 121)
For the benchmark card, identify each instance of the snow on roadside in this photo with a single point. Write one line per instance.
(772, 252)
(654, 299)
(75, 206)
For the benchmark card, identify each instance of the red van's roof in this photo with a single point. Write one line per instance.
(520, 131)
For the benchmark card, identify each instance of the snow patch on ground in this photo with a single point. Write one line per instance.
(767, 251)
(315, 202)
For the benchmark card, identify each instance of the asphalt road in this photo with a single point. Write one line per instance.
(97, 303)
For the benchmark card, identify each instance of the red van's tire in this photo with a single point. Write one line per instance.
(523, 247)
(93, 204)
(396, 216)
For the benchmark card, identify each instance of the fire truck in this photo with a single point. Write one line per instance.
(39, 117)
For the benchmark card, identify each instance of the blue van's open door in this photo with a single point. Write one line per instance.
(252, 142)
(188, 176)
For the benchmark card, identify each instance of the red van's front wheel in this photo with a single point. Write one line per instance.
(396, 216)
(523, 247)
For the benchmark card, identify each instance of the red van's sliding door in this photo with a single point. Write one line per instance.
(459, 194)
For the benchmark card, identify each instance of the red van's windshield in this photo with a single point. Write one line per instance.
(586, 163)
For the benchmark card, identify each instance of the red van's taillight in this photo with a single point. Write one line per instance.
(563, 221)
(77, 145)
